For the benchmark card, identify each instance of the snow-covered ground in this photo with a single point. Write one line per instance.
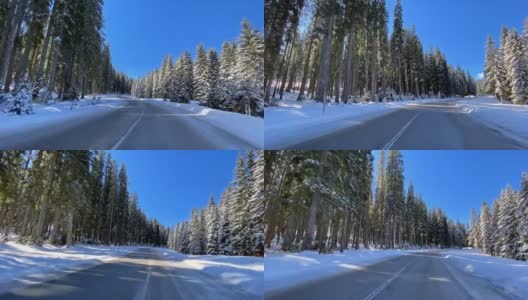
(32, 264)
(288, 269)
(23, 264)
(242, 271)
(508, 275)
(56, 113)
(292, 122)
(247, 128)
(509, 119)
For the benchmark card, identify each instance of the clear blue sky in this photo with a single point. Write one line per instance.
(457, 181)
(142, 32)
(170, 184)
(460, 27)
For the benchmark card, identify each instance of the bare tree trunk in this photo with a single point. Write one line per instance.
(47, 39)
(306, 69)
(10, 44)
(337, 82)
(21, 69)
(374, 71)
(285, 72)
(53, 238)
(69, 228)
(9, 24)
(314, 207)
(343, 244)
(348, 63)
(324, 70)
(37, 232)
(9, 75)
(55, 57)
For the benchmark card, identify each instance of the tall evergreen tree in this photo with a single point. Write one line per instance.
(214, 96)
(486, 228)
(212, 228)
(515, 56)
(200, 74)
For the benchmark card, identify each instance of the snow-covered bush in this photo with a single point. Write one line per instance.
(21, 101)
(44, 95)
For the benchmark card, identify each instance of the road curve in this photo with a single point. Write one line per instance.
(424, 275)
(138, 276)
(433, 126)
(139, 125)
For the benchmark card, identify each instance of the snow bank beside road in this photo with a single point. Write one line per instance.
(32, 264)
(286, 269)
(244, 127)
(241, 271)
(509, 275)
(55, 114)
(509, 119)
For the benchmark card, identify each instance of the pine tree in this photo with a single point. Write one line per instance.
(122, 207)
(490, 67)
(195, 236)
(166, 79)
(522, 216)
(212, 228)
(200, 74)
(214, 96)
(515, 56)
(227, 73)
(507, 226)
(486, 229)
(495, 226)
(249, 72)
(225, 236)
(187, 91)
(185, 239)
(396, 44)
(256, 205)
(474, 238)
(526, 30)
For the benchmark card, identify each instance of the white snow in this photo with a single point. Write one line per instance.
(287, 269)
(32, 264)
(509, 275)
(244, 127)
(292, 122)
(509, 119)
(54, 114)
(24, 264)
(245, 272)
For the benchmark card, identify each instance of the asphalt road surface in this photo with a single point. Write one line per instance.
(140, 125)
(138, 276)
(416, 276)
(432, 126)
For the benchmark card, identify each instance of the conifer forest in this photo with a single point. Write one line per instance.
(506, 66)
(55, 46)
(235, 225)
(231, 80)
(329, 200)
(69, 197)
(345, 54)
(502, 229)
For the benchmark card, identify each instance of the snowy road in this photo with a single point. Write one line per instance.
(142, 125)
(421, 126)
(143, 274)
(424, 275)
